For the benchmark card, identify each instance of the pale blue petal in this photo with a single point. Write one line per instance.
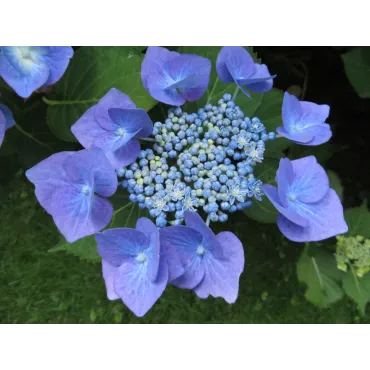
(325, 220)
(10, 122)
(58, 58)
(311, 182)
(233, 63)
(136, 290)
(155, 61)
(47, 176)
(221, 277)
(110, 273)
(122, 244)
(124, 155)
(154, 250)
(193, 274)
(91, 167)
(291, 112)
(272, 193)
(284, 179)
(77, 214)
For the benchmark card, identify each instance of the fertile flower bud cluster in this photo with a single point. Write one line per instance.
(200, 160)
(353, 251)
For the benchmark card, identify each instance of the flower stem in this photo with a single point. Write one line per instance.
(20, 129)
(67, 102)
(148, 139)
(208, 220)
(235, 93)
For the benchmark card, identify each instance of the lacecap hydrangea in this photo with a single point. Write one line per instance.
(189, 170)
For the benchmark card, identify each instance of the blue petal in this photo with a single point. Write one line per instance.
(272, 193)
(193, 220)
(157, 87)
(320, 134)
(132, 121)
(23, 74)
(185, 239)
(301, 137)
(125, 155)
(169, 253)
(321, 111)
(136, 290)
(91, 167)
(153, 253)
(221, 277)
(325, 220)
(87, 130)
(311, 183)
(191, 75)
(261, 81)
(109, 274)
(233, 63)
(291, 112)
(284, 179)
(47, 176)
(112, 99)
(10, 122)
(193, 274)
(57, 58)
(119, 245)
(155, 61)
(77, 214)
(2, 126)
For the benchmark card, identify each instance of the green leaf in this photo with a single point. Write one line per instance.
(267, 107)
(321, 152)
(264, 211)
(358, 220)
(93, 71)
(127, 215)
(335, 183)
(357, 67)
(84, 248)
(358, 288)
(317, 269)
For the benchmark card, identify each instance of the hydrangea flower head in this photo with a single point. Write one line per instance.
(212, 263)
(65, 185)
(134, 269)
(114, 124)
(27, 68)
(235, 65)
(309, 209)
(174, 78)
(304, 122)
(6, 121)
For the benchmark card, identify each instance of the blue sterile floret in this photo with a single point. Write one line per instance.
(202, 160)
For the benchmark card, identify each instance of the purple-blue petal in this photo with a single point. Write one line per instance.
(221, 278)
(58, 58)
(124, 155)
(155, 61)
(109, 274)
(191, 75)
(311, 183)
(233, 63)
(321, 111)
(261, 81)
(136, 290)
(119, 245)
(10, 122)
(77, 214)
(325, 220)
(193, 274)
(272, 193)
(194, 221)
(301, 137)
(24, 75)
(2, 126)
(154, 250)
(291, 111)
(320, 133)
(169, 253)
(90, 167)
(47, 176)
(284, 178)
(112, 99)
(87, 131)
(133, 121)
